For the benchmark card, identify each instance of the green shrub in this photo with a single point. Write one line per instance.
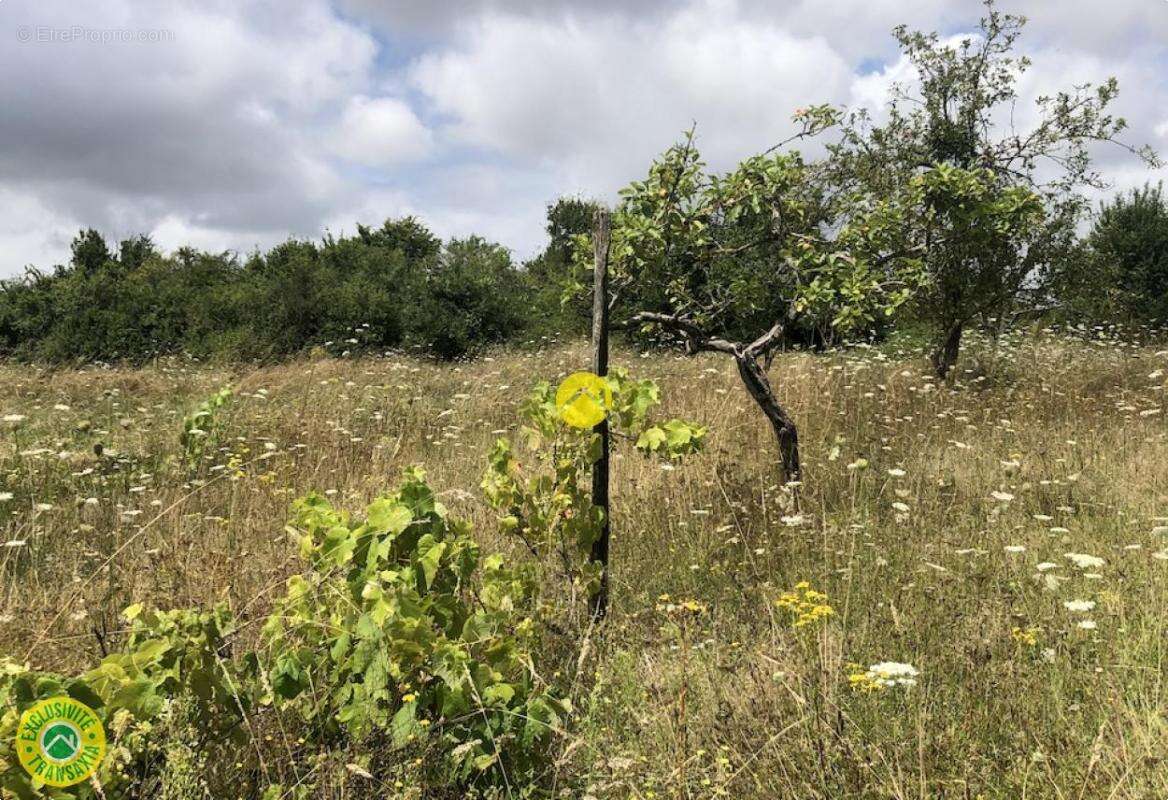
(395, 638)
(386, 636)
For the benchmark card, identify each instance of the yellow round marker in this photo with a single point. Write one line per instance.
(583, 399)
(60, 741)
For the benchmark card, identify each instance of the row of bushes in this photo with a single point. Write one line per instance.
(396, 286)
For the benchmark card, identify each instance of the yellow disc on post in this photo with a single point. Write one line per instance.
(60, 741)
(583, 399)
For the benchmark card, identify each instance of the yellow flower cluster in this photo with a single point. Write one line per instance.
(862, 680)
(1027, 637)
(805, 605)
(668, 605)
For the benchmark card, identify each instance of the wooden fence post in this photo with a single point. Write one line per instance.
(600, 242)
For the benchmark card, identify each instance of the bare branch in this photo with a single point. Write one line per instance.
(696, 339)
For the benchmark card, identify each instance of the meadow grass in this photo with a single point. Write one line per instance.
(946, 527)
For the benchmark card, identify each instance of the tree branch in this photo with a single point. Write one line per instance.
(696, 340)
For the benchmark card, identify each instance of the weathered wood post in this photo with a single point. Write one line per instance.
(600, 240)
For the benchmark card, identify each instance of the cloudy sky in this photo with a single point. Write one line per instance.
(232, 124)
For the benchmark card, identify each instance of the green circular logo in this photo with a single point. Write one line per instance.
(60, 741)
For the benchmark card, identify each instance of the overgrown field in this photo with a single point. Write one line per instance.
(1006, 535)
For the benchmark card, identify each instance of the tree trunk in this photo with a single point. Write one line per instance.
(755, 379)
(945, 356)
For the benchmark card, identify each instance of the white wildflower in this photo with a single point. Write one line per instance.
(893, 673)
(1084, 561)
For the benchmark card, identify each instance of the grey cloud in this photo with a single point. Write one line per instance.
(214, 122)
(437, 19)
(234, 132)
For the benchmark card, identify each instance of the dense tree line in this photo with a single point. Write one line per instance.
(396, 286)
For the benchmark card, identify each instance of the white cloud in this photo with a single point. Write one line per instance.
(593, 100)
(381, 132)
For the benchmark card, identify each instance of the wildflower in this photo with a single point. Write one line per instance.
(901, 507)
(884, 675)
(805, 605)
(6, 496)
(1087, 625)
(1079, 605)
(681, 606)
(14, 419)
(1027, 637)
(897, 472)
(1084, 561)
(1014, 548)
(1046, 566)
(1002, 497)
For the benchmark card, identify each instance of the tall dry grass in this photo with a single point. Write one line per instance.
(936, 518)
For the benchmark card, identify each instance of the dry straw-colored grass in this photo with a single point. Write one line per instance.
(1013, 698)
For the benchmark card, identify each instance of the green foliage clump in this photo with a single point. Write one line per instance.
(396, 636)
(559, 305)
(173, 663)
(199, 426)
(387, 636)
(1002, 203)
(470, 297)
(731, 255)
(1123, 275)
(396, 286)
